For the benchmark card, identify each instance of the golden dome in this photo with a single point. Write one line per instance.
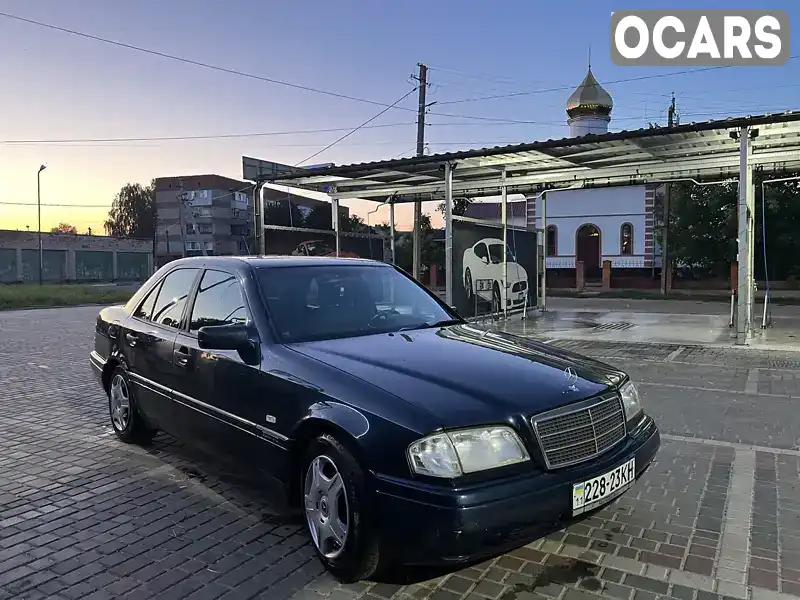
(589, 98)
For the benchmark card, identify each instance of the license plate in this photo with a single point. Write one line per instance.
(599, 490)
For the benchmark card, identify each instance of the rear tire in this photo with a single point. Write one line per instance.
(126, 420)
(336, 503)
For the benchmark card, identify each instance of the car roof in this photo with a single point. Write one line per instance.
(492, 240)
(276, 260)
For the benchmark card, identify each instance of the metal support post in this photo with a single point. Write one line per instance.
(504, 218)
(392, 232)
(335, 219)
(751, 254)
(262, 240)
(743, 258)
(258, 222)
(665, 257)
(448, 231)
(543, 261)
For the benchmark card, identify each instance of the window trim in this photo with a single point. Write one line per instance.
(196, 289)
(275, 336)
(159, 284)
(547, 231)
(621, 229)
(155, 289)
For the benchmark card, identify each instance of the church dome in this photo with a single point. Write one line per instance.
(589, 99)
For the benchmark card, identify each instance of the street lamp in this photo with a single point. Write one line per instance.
(39, 208)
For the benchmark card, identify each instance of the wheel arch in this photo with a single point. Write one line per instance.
(116, 359)
(346, 424)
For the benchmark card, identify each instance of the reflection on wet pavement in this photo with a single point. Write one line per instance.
(623, 326)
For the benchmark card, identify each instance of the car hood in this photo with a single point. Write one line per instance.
(463, 375)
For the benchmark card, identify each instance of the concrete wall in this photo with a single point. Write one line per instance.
(74, 258)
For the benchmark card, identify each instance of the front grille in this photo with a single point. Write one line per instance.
(574, 436)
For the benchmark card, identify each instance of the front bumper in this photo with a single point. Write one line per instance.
(514, 299)
(424, 524)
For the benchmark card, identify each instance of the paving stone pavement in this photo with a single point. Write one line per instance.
(84, 516)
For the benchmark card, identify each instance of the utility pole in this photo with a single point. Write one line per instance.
(181, 217)
(417, 246)
(666, 271)
(39, 209)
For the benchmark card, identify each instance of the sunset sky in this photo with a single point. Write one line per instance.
(58, 86)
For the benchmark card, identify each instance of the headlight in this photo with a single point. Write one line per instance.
(630, 401)
(455, 453)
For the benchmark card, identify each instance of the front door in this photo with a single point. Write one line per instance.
(587, 249)
(147, 344)
(225, 388)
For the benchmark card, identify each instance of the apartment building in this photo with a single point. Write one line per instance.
(217, 215)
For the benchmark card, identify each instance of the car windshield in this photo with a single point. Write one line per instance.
(310, 303)
(496, 254)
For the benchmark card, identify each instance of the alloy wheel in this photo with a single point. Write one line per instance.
(326, 506)
(120, 403)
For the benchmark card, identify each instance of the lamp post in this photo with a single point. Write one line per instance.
(39, 208)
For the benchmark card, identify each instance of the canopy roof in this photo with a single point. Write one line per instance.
(696, 150)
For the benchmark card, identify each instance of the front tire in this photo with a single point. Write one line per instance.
(496, 300)
(336, 507)
(126, 421)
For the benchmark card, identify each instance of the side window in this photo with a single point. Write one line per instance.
(219, 301)
(172, 297)
(145, 309)
(481, 252)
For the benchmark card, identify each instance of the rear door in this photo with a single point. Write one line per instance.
(148, 340)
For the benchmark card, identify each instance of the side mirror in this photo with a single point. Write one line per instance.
(235, 336)
(485, 260)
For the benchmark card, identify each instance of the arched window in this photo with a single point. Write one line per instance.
(551, 241)
(626, 239)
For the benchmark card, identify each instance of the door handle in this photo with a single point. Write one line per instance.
(131, 338)
(181, 356)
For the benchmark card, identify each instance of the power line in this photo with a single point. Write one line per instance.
(60, 205)
(364, 124)
(193, 137)
(190, 61)
(562, 88)
(293, 85)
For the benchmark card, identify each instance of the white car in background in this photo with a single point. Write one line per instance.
(483, 275)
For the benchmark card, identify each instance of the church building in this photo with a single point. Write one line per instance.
(590, 225)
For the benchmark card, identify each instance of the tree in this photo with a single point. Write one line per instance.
(320, 217)
(65, 228)
(354, 224)
(133, 212)
(278, 214)
(702, 227)
(459, 206)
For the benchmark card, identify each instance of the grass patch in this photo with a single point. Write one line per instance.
(27, 295)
